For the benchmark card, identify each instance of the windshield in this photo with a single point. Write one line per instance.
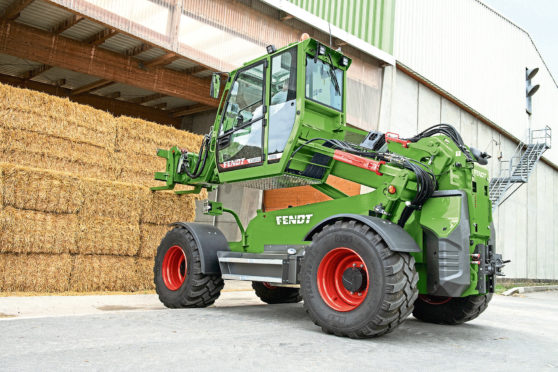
(320, 86)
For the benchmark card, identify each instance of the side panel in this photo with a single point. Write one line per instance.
(445, 221)
(209, 240)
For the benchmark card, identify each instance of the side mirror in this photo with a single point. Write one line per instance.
(215, 85)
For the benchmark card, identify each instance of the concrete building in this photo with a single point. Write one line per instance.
(415, 64)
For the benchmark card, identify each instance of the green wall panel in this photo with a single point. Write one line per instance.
(369, 20)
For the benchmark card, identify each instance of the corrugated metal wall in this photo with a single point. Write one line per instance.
(479, 57)
(369, 20)
(525, 223)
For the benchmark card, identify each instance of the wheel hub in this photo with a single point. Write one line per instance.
(342, 279)
(174, 268)
(354, 279)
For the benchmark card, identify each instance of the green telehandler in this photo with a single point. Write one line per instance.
(421, 242)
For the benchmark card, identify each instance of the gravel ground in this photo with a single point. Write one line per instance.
(241, 333)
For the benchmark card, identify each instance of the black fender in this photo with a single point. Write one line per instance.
(209, 240)
(397, 239)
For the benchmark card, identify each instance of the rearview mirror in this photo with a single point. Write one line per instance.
(215, 86)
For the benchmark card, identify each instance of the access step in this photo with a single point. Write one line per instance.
(275, 266)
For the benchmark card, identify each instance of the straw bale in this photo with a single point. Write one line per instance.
(144, 267)
(24, 231)
(50, 152)
(151, 236)
(104, 273)
(139, 169)
(41, 190)
(34, 272)
(138, 136)
(164, 207)
(1, 187)
(42, 113)
(112, 199)
(102, 235)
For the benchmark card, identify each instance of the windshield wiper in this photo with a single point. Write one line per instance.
(333, 76)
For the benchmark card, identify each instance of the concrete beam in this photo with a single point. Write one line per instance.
(66, 24)
(100, 37)
(189, 110)
(15, 8)
(91, 86)
(28, 75)
(54, 50)
(151, 97)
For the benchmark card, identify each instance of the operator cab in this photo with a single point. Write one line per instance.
(273, 104)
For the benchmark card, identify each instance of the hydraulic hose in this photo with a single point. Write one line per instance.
(202, 158)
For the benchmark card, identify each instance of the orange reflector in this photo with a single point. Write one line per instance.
(391, 189)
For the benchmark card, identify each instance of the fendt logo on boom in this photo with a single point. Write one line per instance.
(299, 219)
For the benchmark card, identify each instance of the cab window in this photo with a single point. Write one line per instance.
(240, 140)
(320, 83)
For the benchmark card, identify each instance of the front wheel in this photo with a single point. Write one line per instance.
(354, 285)
(450, 310)
(179, 281)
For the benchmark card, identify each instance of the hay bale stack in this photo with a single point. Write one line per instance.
(35, 272)
(165, 207)
(117, 200)
(150, 238)
(25, 231)
(66, 223)
(59, 117)
(1, 187)
(110, 236)
(105, 273)
(41, 190)
(144, 267)
(139, 169)
(136, 136)
(46, 151)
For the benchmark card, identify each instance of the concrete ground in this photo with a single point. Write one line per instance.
(135, 332)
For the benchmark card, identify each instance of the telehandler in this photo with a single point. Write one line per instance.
(421, 242)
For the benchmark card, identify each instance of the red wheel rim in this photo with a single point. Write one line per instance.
(268, 286)
(330, 279)
(435, 300)
(174, 268)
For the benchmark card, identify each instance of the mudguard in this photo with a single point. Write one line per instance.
(397, 239)
(209, 240)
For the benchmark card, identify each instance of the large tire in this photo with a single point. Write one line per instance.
(450, 310)
(179, 281)
(377, 303)
(276, 295)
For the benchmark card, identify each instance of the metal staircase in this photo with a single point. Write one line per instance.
(516, 171)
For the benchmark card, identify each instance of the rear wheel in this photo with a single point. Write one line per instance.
(450, 310)
(271, 294)
(353, 284)
(179, 281)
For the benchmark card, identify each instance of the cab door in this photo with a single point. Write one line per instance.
(241, 135)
